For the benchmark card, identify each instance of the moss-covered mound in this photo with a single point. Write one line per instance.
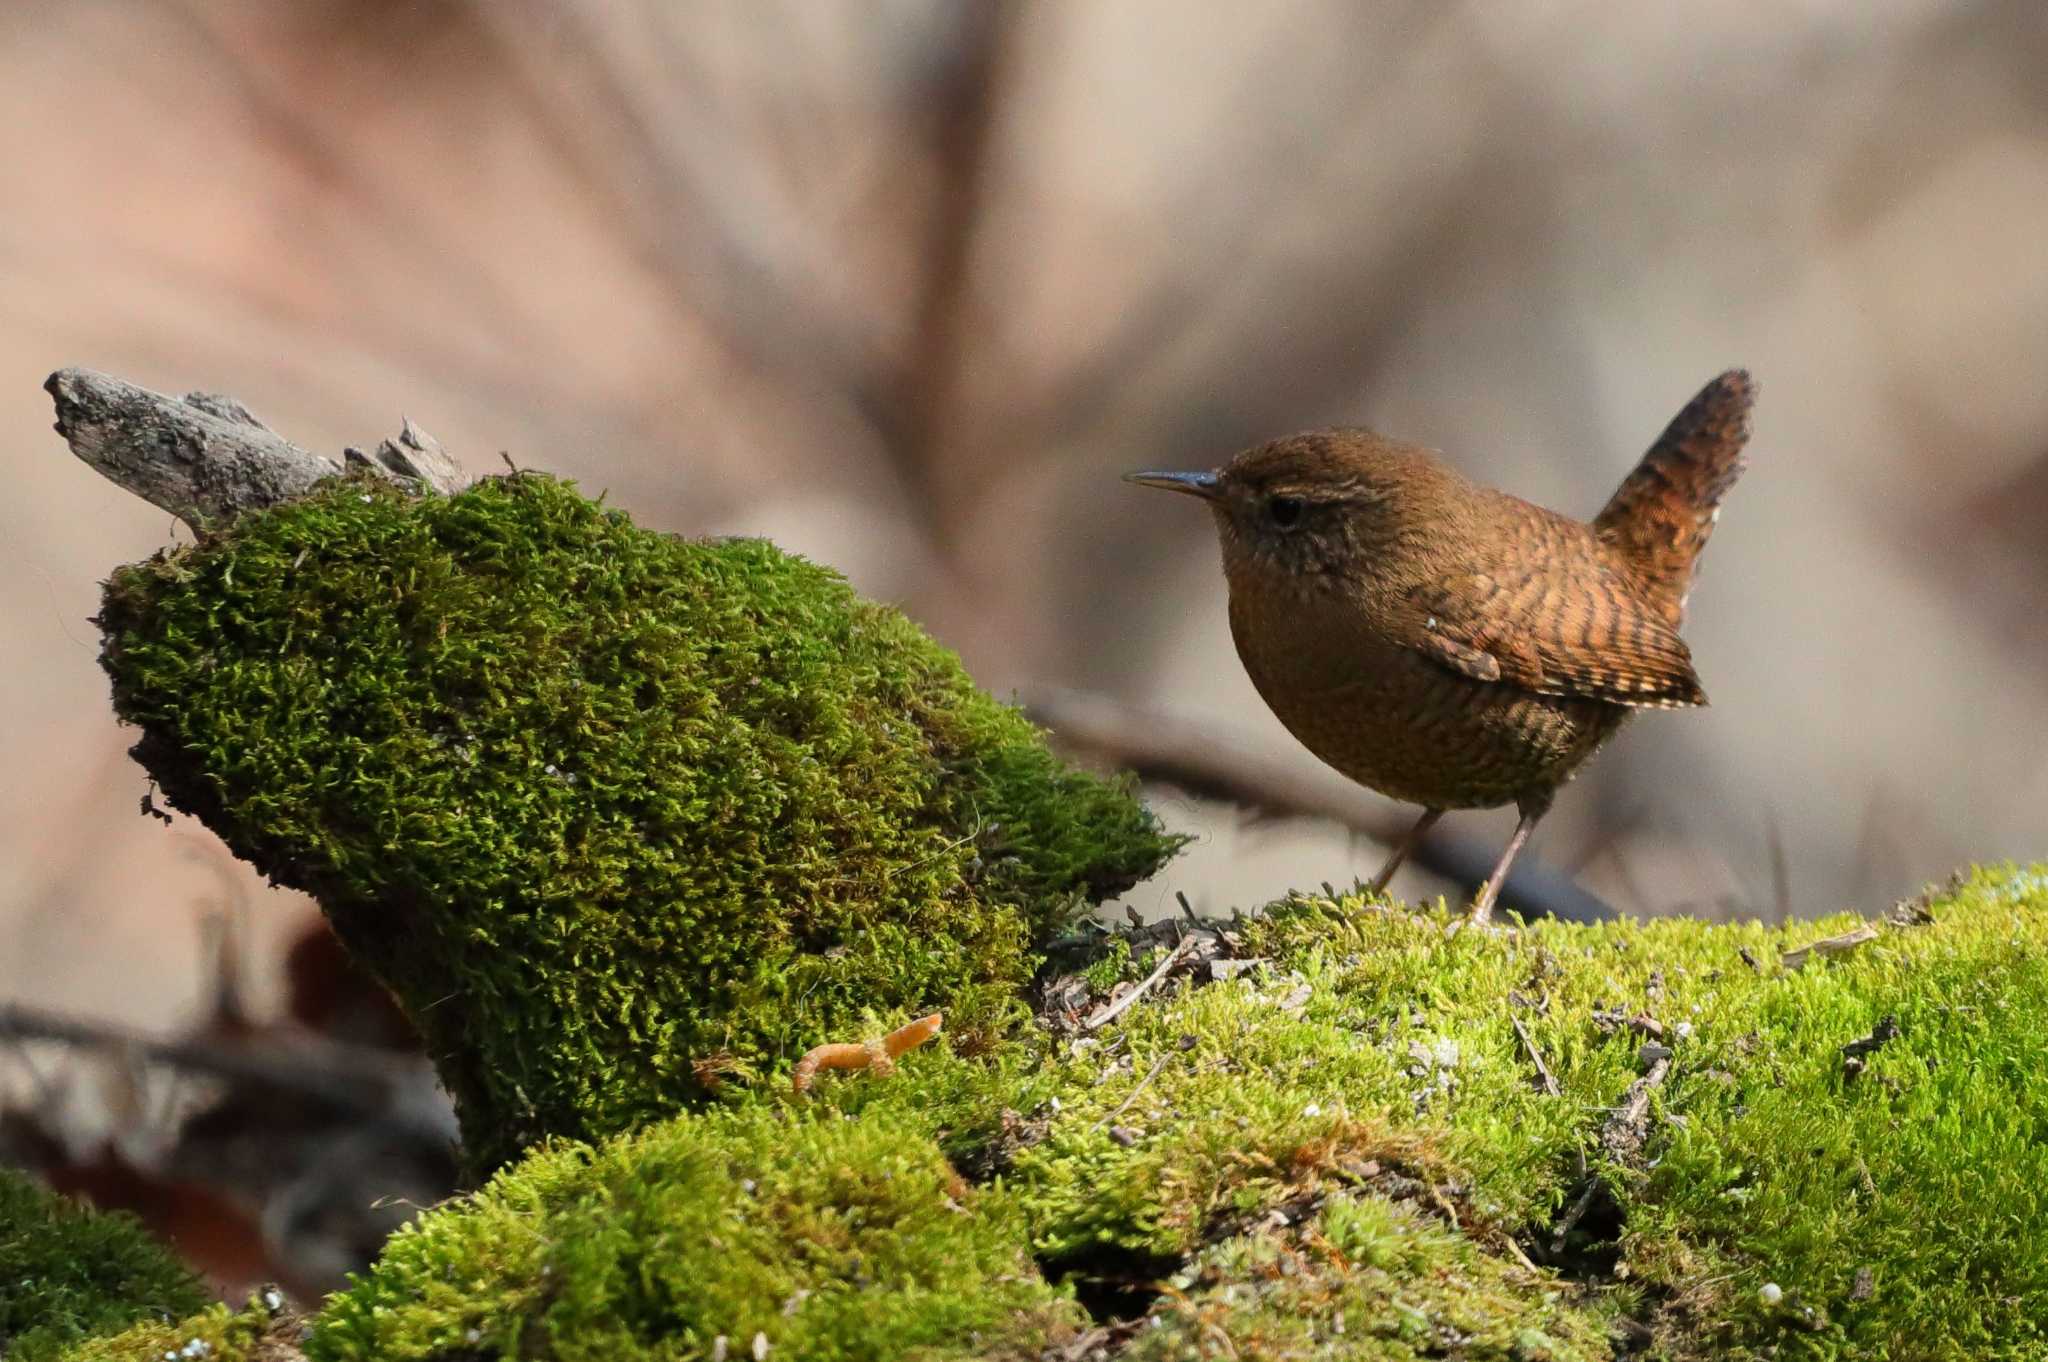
(615, 815)
(828, 1239)
(1360, 1136)
(67, 1272)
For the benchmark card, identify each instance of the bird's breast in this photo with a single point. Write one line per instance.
(1388, 717)
(1307, 643)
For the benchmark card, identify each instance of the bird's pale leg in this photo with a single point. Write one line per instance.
(1402, 849)
(1532, 811)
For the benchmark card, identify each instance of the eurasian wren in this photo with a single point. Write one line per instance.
(1450, 645)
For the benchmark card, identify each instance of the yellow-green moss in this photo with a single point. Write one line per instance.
(824, 1237)
(264, 1330)
(616, 815)
(68, 1272)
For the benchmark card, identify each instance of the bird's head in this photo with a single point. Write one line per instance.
(1315, 508)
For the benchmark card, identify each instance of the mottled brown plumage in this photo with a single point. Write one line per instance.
(1454, 646)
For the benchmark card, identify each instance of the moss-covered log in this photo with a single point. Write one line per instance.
(1375, 1143)
(618, 817)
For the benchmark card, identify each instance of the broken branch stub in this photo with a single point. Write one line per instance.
(205, 458)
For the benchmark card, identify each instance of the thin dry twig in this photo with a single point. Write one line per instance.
(1110, 1012)
(354, 1078)
(1543, 1074)
(1830, 945)
(1628, 1124)
(1573, 1216)
(876, 1056)
(1132, 1095)
(1520, 1256)
(1622, 1137)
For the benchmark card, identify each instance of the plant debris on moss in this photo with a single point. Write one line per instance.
(617, 816)
(1365, 1279)
(68, 1272)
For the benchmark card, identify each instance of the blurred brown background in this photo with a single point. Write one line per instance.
(905, 285)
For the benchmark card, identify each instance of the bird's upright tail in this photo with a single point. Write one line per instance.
(1660, 516)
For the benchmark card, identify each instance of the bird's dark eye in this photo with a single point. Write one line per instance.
(1285, 511)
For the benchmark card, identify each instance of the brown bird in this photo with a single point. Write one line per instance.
(1450, 645)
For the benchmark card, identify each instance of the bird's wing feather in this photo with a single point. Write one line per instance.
(1581, 633)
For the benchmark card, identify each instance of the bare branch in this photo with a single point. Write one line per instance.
(396, 1089)
(963, 100)
(1206, 758)
(204, 457)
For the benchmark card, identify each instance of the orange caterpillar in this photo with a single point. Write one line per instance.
(876, 1056)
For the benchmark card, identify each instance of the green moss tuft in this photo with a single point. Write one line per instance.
(1902, 1211)
(68, 1272)
(1365, 1280)
(256, 1333)
(828, 1238)
(615, 815)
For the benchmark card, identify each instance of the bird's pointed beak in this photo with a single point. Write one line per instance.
(1201, 485)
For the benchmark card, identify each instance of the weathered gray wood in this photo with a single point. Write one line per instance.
(205, 458)
(414, 456)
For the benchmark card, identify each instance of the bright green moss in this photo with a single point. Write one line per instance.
(1926, 1176)
(1111, 968)
(67, 1272)
(616, 815)
(828, 1238)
